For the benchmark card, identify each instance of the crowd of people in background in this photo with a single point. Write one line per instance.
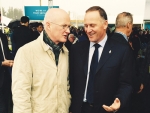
(138, 39)
(26, 32)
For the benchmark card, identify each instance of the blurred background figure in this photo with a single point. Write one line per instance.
(21, 35)
(5, 76)
(38, 29)
(71, 40)
(83, 35)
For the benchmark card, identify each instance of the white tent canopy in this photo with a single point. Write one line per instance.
(5, 20)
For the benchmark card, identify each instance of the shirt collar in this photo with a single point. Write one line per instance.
(102, 42)
(48, 41)
(122, 34)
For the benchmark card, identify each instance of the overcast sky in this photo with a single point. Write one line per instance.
(77, 7)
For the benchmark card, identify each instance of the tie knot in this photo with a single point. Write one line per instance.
(96, 46)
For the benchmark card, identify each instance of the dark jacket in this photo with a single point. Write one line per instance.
(112, 78)
(136, 74)
(21, 36)
(4, 70)
(146, 68)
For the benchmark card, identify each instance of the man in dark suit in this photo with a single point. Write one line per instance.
(106, 87)
(122, 32)
(5, 77)
(22, 34)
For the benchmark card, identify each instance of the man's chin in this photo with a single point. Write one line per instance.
(64, 40)
(91, 39)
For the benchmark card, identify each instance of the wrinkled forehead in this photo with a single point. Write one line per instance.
(63, 20)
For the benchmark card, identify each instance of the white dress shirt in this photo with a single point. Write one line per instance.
(91, 52)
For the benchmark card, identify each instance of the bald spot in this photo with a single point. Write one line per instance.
(55, 15)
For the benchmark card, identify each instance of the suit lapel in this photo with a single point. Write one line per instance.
(107, 52)
(85, 55)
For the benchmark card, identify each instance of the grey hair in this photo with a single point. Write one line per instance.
(123, 19)
(71, 34)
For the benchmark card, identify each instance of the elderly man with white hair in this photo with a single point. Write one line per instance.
(40, 71)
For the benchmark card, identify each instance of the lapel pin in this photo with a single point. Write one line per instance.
(110, 51)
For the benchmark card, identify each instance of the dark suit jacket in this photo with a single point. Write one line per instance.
(119, 37)
(112, 78)
(21, 36)
(4, 72)
(136, 43)
(68, 45)
(36, 34)
(136, 81)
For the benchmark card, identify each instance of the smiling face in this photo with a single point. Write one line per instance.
(95, 26)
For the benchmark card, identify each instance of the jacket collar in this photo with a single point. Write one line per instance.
(46, 47)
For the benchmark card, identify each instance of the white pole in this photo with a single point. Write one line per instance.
(40, 3)
(143, 25)
(23, 7)
(1, 16)
(50, 4)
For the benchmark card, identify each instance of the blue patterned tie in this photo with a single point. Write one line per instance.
(94, 63)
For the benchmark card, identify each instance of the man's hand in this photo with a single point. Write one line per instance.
(7, 63)
(141, 88)
(114, 107)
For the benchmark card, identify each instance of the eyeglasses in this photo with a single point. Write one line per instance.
(65, 27)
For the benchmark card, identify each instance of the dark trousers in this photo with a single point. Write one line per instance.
(146, 99)
(86, 108)
(141, 102)
(5, 93)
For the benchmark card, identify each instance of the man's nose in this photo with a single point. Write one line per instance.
(68, 30)
(88, 29)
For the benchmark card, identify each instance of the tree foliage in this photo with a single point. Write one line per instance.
(4, 12)
(14, 13)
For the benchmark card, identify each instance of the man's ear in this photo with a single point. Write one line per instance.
(48, 25)
(128, 25)
(105, 24)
